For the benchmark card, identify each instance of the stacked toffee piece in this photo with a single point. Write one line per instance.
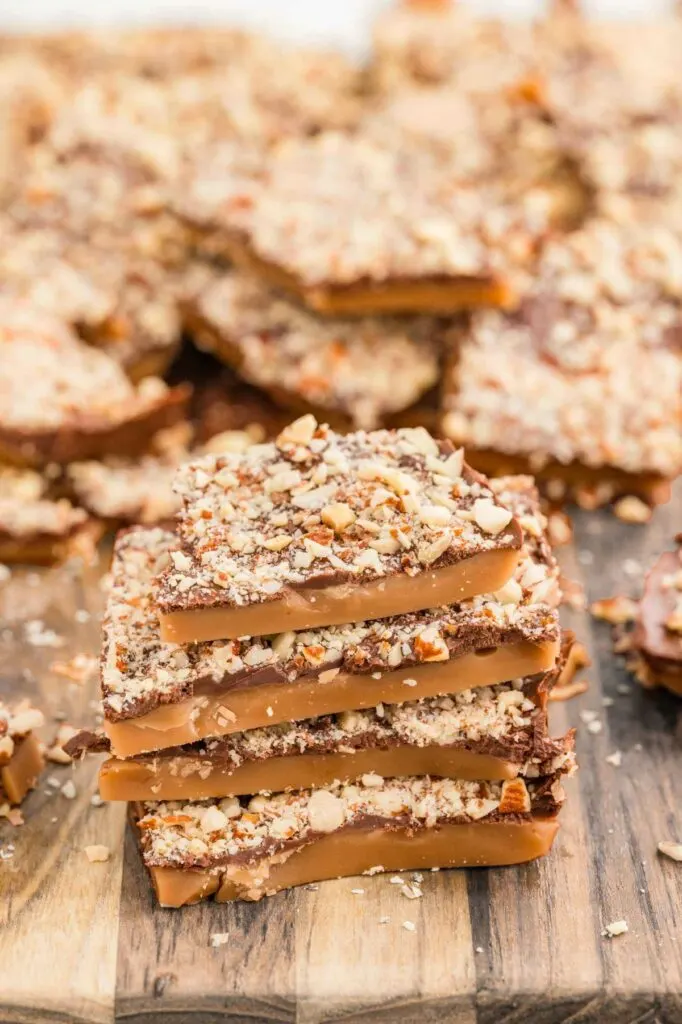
(339, 663)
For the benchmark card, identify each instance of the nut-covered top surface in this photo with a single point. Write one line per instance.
(364, 369)
(27, 512)
(590, 368)
(139, 672)
(315, 508)
(64, 382)
(127, 490)
(338, 209)
(208, 833)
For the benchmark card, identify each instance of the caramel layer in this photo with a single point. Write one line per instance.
(177, 778)
(312, 607)
(439, 295)
(357, 850)
(219, 713)
(660, 673)
(44, 550)
(21, 774)
(651, 487)
(81, 442)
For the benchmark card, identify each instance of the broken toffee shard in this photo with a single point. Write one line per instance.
(355, 373)
(582, 384)
(21, 757)
(74, 402)
(35, 527)
(318, 529)
(658, 629)
(442, 246)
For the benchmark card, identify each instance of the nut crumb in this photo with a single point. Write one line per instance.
(97, 854)
(569, 690)
(632, 510)
(219, 939)
(616, 759)
(670, 849)
(69, 790)
(409, 926)
(614, 929)
(616, 610)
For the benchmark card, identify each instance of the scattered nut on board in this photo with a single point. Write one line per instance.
(97, 854)
(671, 849)
(614, 929)
(632, 510)
(615, 610)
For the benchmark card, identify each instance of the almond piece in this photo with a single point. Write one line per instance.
(515, 797)
(338, 516)
(301, 431)
(97, 854)
(670, 849)
(632, 510)
(490, 517)
(616, 610)
(325, 811)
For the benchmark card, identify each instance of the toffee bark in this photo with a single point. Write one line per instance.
(583, 384)
(21, 757)
(237, 850)
(354, 227)
(36, 528)
(354, 373)
(317, 529)
(74, 402)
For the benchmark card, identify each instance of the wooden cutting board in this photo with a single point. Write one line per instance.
(85, 942)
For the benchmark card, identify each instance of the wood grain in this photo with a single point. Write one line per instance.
(58, 913)
(491, 946)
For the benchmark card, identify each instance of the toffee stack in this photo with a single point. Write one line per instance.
(339, 663)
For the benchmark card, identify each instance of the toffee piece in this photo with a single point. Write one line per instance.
(658, 629)
(354, 227)
(583, 384)
(21, 757)
(236, 850)
(491, 733)
(317, 529)
(355, 372)
(73, 402)
(158, 695)
(36, 528)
